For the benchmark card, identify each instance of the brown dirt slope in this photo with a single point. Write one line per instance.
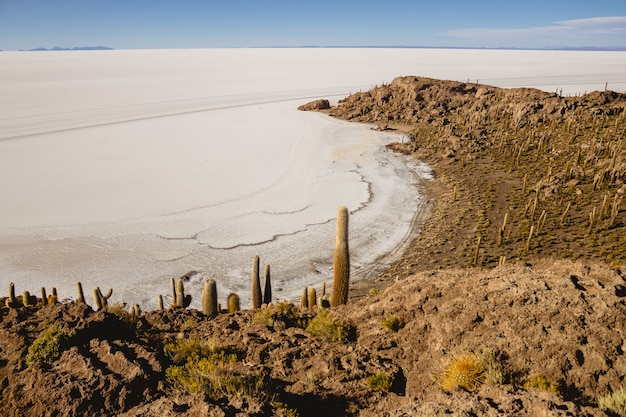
(560, 318)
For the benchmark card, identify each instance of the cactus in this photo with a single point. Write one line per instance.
(81, 295)
(233, 302)
(26, 299)
(100, 300)
(341, 260)
(135, 311)
(304, 299)
(52, 299)
(312, 299)
(54, 292)
(256, 285)
(209, 298)
(44, 296)
(97, 299)
(182, 300)
(160, 302)
(173, 288)
(267, 293)
(11, 301)
(324, 289)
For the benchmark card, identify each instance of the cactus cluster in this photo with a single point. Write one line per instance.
(210, 306)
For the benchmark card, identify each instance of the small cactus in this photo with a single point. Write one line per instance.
(160, 302)
(256, 285)
(11, 302)
(209, 298)
(267, 294)
(341, 260)
(52, 299)
(26, 299)
(81, 295)
(233, 303)
(182, 300)
(101, 300)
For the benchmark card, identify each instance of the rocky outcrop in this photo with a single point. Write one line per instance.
(322, 104)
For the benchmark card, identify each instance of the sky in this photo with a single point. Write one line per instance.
(152, 24)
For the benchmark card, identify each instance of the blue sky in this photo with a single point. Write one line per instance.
(134, 24)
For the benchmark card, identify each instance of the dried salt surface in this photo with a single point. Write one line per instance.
(124, 168)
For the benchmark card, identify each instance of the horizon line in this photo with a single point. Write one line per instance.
(544, 48)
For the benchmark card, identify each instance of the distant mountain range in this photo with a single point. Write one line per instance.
(76, 48)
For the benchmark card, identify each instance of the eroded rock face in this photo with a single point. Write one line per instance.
(322, 104)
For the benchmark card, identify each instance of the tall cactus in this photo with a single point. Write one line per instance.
(312, 299)
(44, 296)
(256, 285)
(304, 299)
(173, 289)
(341, 260)
(160, 302)
(233, 302)
(209, 298)
(267, 293)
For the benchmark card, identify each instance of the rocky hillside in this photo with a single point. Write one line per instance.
(506, 161)
(549, 339)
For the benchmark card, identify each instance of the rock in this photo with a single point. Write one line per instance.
(316, 105)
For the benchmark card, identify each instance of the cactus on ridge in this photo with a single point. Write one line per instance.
(209, 298)
(256, 285)
(81, 295)
(233, 302)
(341, 260)
(267, 294)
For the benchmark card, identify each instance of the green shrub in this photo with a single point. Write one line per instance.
(206, 368)
(330, 328)
(541, 381)
(393, 323)
(615, 402)
(281, 315)
(48, 347)
(379, 381)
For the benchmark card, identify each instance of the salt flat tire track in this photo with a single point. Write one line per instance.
(56, 124)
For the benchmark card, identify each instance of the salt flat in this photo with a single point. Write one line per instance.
(124, 168)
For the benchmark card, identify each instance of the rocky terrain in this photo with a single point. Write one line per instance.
(482, 316)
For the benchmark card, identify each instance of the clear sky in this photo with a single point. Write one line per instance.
(133, 24)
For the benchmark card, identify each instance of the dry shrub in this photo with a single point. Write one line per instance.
(393, 323)
(206, 368)
(281, 315)
(614, 402)
(542, 382)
